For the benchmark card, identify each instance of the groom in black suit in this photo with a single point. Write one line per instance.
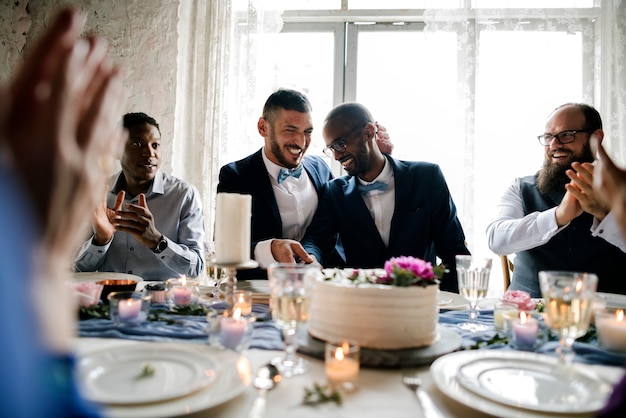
(284, 183)
(384, 207)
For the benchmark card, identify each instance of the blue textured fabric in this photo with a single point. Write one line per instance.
(589, 353)
(284, 173)
(265, 336)
(377, 185)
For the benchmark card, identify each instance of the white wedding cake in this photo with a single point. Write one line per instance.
(349, 305)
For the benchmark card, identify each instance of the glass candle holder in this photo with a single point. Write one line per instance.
(528, 331)
(129, 308)
(182, 291)
(243, 301)
(342, 364)
(230, 331)
(611, 327)
(503, 314)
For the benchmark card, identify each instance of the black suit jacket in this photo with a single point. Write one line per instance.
(249, 176)
(424, 222)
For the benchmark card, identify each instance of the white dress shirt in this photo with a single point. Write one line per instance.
(381, 203)
(510, 231)
(297, 202)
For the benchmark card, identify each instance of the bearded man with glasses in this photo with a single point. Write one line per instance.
(554, 220)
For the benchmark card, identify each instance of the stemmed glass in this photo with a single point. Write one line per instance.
(291, 288)
(568, 299)
(473, 276)
(212, 271)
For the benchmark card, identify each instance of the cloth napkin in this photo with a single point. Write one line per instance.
(190, 328)
(589, 353)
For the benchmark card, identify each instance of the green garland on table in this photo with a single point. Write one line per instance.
(102, 312)
(590, 337)
(321, 394)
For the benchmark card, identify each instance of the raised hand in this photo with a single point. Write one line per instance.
(610, 183)
(581, 186)
(138, 221)
(59, 123)
(104, 219)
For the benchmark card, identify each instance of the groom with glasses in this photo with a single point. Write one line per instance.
(553, 220)
(384, 207)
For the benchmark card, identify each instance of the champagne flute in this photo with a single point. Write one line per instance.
(291, 287)
(568, 299)
(473, 277)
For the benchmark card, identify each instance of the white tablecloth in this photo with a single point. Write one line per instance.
(381, 392)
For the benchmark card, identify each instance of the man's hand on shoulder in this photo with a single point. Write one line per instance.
(290, 251)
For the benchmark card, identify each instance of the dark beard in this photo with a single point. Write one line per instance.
(552, 177)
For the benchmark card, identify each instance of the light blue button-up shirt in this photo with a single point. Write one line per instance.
(177, 210)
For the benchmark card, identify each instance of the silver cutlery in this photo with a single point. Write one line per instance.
(267, 376)
(411, 379)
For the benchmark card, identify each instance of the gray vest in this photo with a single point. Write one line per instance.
(572, 249)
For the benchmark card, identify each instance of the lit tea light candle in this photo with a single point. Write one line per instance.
(525, 330)
(342, 365)
(243, 301)
(128, 310)
(232, 330)
(612, 329)
(182, 293)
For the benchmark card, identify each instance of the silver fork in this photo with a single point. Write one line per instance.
(411, 379)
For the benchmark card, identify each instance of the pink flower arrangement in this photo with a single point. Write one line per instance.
(520, 298)
(410, 271)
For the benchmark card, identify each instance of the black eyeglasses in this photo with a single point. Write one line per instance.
(340, 144)
(564, 137)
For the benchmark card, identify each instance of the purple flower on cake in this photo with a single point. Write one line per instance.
(411, 271)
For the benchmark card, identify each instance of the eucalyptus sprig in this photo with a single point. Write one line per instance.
(146, 371)
(321, 394)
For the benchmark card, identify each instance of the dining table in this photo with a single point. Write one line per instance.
(380, 390)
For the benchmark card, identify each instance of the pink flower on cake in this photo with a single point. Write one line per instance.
(520, 298)
(409, 271)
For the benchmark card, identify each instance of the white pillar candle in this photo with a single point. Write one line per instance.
(232, 228)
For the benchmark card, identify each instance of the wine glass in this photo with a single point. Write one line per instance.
(473, 276)
(291, 288)
(212, 270)
(568, 298)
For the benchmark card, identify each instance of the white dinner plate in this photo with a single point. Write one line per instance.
(234, 376)
(449, 300)
(94, 276)
(535, 384)
(445, 374)
(115, 376)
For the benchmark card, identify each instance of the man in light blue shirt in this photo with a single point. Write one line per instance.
(155, 228)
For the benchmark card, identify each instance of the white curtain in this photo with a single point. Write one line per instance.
(611, 72)
(605, 41)
(498, 119)
(215, 86)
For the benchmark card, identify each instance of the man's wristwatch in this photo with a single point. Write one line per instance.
(161, 246)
